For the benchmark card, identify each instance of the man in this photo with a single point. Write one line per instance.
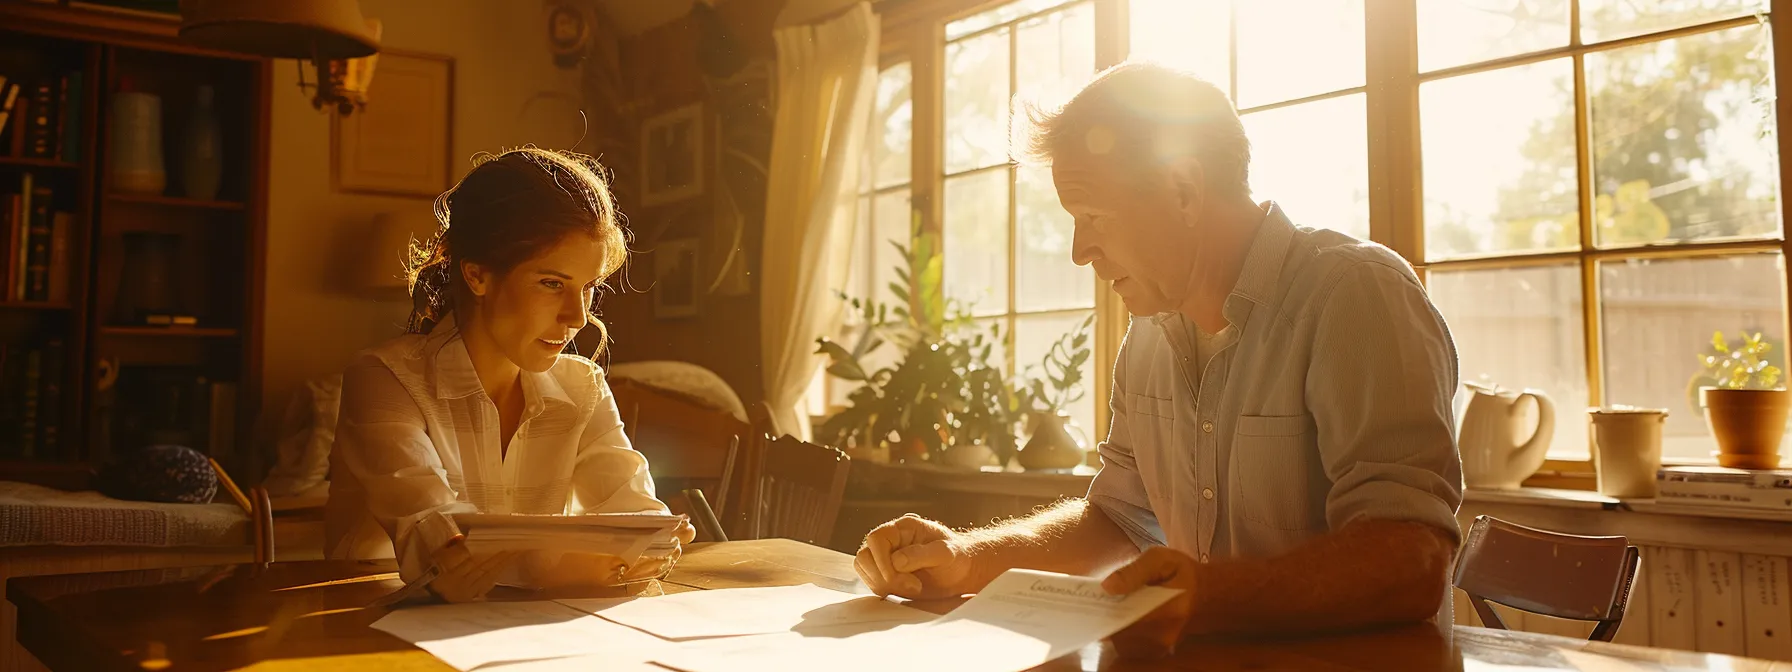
(1282, 444)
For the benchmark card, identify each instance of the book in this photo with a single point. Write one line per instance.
(1765, 490)
(629, 536)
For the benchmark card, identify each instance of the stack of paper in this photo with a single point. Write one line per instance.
(629, 536)
(1021, 620)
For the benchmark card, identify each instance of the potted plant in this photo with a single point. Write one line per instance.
(1744, 402)
(1046, 398)
(941, 401)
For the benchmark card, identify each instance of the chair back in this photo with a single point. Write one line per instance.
(688, 445)
(800, 487)
(1562, 575)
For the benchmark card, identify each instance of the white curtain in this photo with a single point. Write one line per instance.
(826, 74)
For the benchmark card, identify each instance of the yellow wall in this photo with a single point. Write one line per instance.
(315, 318)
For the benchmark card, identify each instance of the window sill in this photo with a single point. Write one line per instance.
(1643, 521)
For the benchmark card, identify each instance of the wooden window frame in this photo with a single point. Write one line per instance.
(915, 31)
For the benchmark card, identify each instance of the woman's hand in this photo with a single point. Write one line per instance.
(466, 577)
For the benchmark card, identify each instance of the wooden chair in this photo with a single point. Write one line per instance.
(690, 448)
(799, 489)
(1550, 573)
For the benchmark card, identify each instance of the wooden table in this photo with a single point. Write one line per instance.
(307, 615)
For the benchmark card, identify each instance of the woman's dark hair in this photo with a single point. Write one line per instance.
(510, 208)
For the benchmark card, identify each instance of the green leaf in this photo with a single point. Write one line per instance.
(1717, 342)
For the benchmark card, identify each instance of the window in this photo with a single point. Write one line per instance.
(1006, 240)
(1601, 195)
(1589, 188)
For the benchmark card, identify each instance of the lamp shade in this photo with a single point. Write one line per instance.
(301, 29)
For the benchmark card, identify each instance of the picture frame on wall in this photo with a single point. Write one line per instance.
(399, 144)
(672, 165)
(677, 281)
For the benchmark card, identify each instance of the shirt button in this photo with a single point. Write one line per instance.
(1203, 557)
(1206, 493)
(1207, 426)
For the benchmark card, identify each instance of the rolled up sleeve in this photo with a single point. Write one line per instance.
(1380, 388)
(382, 441)
(1117, 489)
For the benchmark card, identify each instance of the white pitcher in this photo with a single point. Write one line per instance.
(1492, 454)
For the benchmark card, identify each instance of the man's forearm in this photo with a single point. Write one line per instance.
(1072, 537)
(1369, 573)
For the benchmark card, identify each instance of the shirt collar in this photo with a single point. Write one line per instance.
(456, 378)
(1262, 270)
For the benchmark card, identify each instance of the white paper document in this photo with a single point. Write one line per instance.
(478, 634)
(806, 609)
(1022, 619)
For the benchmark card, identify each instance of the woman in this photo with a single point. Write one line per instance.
(476, 408)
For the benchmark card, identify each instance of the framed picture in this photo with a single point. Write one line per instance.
(675, 279)
(399, 143)
(672, 156)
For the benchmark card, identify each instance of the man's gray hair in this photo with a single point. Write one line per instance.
(1149, 111)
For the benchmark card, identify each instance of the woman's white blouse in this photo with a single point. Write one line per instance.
(417, 441)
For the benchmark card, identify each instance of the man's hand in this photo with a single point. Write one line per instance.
(916, 558)
(1155, 635)
(465, 577)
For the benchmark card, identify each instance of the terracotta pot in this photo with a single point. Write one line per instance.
(1748, 425)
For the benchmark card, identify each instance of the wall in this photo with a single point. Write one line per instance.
(507, 92)
(661, 68)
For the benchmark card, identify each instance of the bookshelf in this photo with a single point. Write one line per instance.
(97, 261)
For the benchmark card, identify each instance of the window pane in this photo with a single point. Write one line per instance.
(892, 129)
(1660, 316)
(1033, 336)
(1293, 48)
(1003, 14)
(1602, 20)
(976, 241)
(1313, 159)
(1046, 278)
(1499, 167)
(890, 224)
(1682, 139)
(977, 102)
(1521, 328)
(859, 267)
(1193, 35)
(1056, 54)
(1458, 32)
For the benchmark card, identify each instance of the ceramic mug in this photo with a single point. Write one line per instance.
(1627, 450)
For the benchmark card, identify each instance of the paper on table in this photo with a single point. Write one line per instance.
(1022, 619)
(807, 608)
(467, 636)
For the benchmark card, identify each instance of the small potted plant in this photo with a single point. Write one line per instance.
(1047, 399)
(1744, 402)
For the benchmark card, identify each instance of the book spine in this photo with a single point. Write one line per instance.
(21, 238)
(37, 258)
(28, 412)
(75, 93)
(1728, 495)
(21, 114)
(50, 404)
(14, 219)
(61, 227)
(40, 134)
(9, 99)
(61, 121)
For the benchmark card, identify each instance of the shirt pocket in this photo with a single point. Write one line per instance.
(1279, 480)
